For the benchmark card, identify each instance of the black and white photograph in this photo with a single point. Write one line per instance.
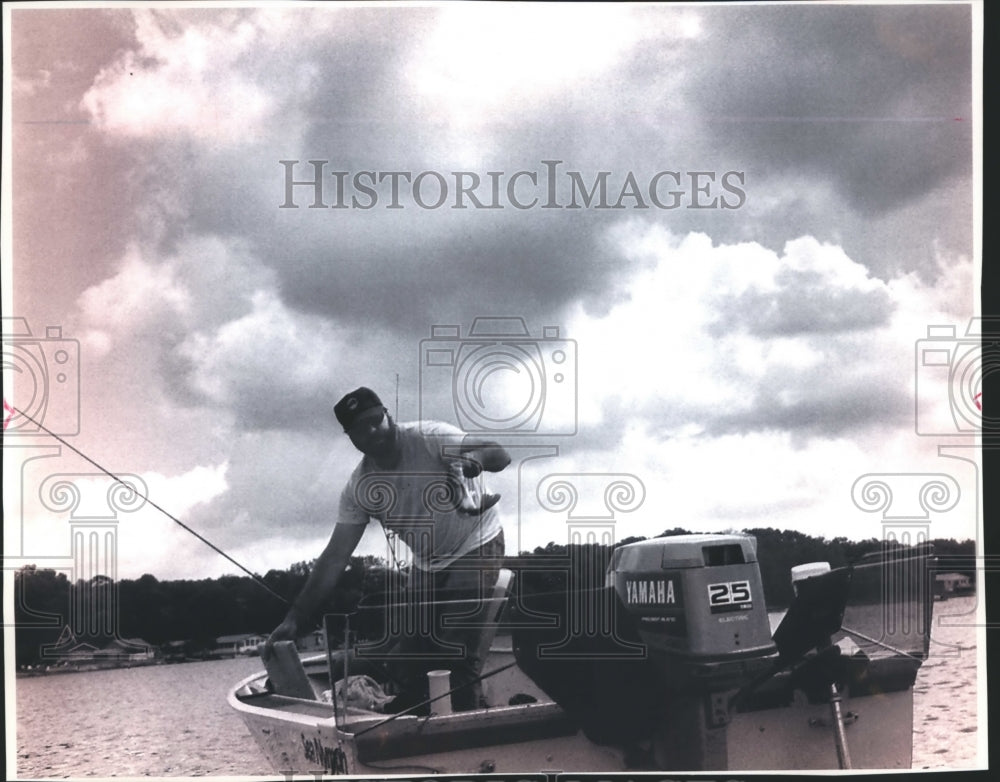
(516, 389)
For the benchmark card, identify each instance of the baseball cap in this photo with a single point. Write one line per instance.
(349, 409)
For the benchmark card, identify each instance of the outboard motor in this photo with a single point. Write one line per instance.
(673, 660)
(684, 627)
(698, 605)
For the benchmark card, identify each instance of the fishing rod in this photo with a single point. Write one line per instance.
(257, 579)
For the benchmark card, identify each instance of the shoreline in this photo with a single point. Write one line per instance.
(90, 667)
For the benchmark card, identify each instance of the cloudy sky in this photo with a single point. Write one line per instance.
(725, 229)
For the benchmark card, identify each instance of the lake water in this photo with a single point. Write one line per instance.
(163, 720)
(947, 726)
(173, 720)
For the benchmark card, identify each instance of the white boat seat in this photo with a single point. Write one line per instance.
(286, 672)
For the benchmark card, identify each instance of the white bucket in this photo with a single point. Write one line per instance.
(438, 683)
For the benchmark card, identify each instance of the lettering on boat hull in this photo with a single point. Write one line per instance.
(332, 759)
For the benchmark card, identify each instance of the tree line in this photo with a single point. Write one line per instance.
(199, 611)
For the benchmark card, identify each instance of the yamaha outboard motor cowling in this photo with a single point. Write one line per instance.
(696, 600)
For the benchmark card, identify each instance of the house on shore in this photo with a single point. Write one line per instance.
(314, 642)
(952, 584)
(176, 651)
(98, 652)
(235, 645)
(126, 650)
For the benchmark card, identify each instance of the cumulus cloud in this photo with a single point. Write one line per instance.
(470, 68)
(724, 339)
(813, 289)
(147, 540)
(135, 299)
(650, 97)
(263, 364)
(195, 76)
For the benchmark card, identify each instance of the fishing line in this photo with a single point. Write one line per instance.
(257, 579)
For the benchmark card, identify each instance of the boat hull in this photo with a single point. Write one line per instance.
(879, 730)
(299, 736)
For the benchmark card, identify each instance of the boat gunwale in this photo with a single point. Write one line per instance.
(536, 711)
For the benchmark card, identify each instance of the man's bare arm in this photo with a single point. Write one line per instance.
(321, 582)
(478, 454)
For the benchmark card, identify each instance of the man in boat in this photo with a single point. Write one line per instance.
(422, 481)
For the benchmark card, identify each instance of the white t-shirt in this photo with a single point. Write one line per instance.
(413, 500)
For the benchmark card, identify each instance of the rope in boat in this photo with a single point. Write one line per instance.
(257, 579)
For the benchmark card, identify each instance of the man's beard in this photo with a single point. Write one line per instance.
(384, 451)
